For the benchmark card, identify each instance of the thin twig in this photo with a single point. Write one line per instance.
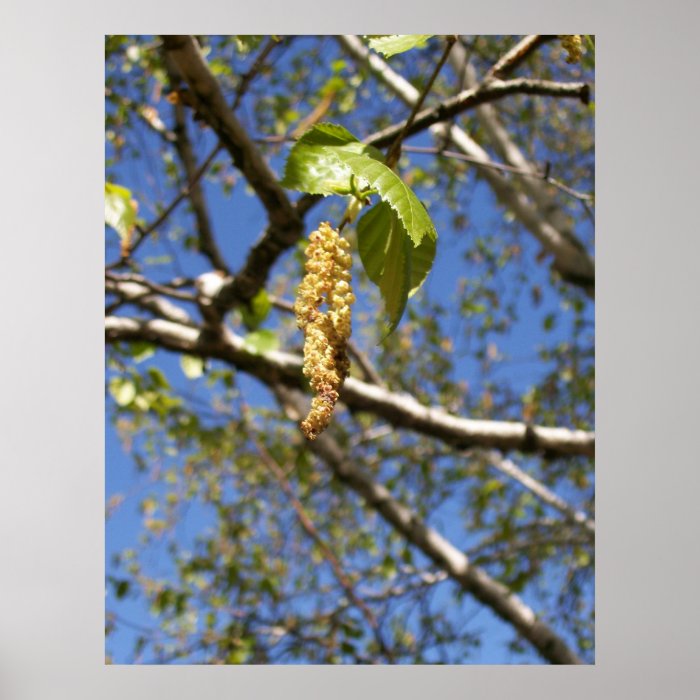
(186, 191)
(183, 194)
(311, 530)
(207, 242)
(581, 196)
(394, 153)
(511, 470)
(512, 548)
(252, 72)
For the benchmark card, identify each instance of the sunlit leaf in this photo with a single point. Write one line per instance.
(313, 166)
(120, 209)
(192, 366)
(391, 44)
(158, 378)
(123, 390)
(261, 341)
(254, 314)
(395, 192)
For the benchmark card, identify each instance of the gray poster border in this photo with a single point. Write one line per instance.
(51, 434)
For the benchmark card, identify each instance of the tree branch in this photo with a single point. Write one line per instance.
(508, 150)
(327, 553)
(207, 243)
(143, 296)
(581, 196)
(570, 259)
(285, 223)
(168, 290)
(513, 471)
(487, 92)
(401, 410)
(453, 561)
(515, 56)
(392, 157)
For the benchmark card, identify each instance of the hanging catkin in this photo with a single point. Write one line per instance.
(572, 44)
(326, 333)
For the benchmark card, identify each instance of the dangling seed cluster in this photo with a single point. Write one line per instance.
(326, 334)
(571, 43)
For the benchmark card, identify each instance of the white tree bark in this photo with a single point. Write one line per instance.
(453, 561)
(508, 150)
(401, 410)
(570, 259)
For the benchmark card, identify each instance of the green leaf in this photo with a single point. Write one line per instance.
(123, 390)
(121, 589)
(158, 378)
(312, 165)
(390, 44)
(241, 653)
(257, 312)
(391, 262)
(141, 350)
(325, 158)
(261, 341)
(120, 209)
(246, 43)
(491, 486)
(395, 192)
(192, 366)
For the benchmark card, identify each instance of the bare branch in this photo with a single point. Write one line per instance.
(285, 223)
(207, 243)
(570, 258)
(487, 92)
(248, 77)
(515, 56)
(425, 579)
(582, 196)
(310, 529)
(401, 410)
(509, 151)
(453, 561)
(169, 290)
(513, 471)
(143, 296)
(394, 153)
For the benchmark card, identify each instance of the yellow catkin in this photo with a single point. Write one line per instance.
(572, 44)
(326, 333)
